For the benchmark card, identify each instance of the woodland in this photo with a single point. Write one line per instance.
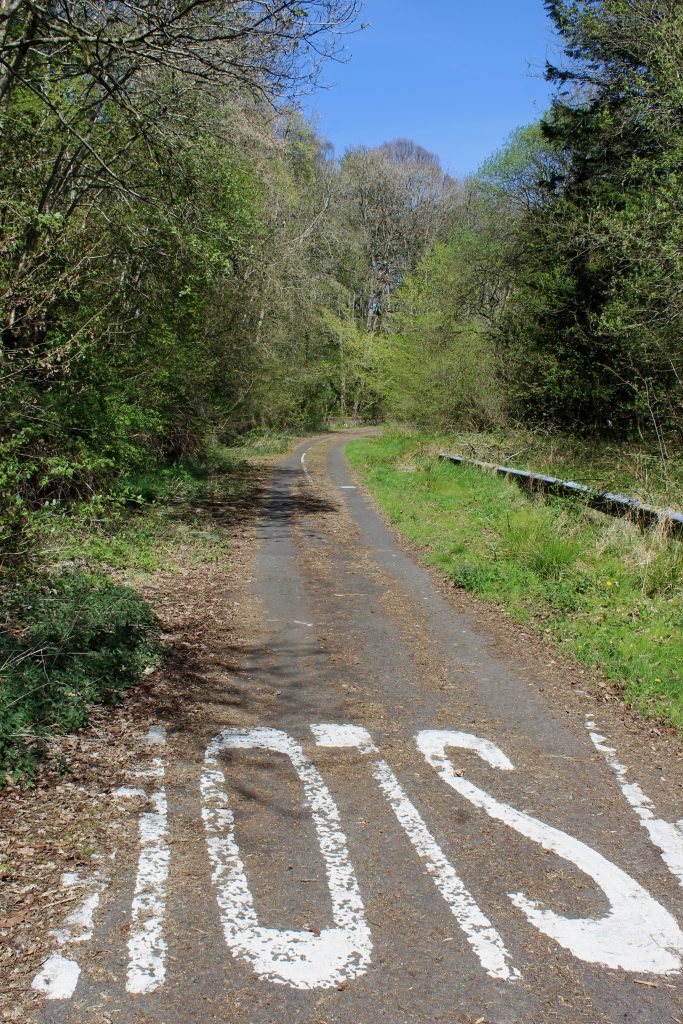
(186, 261)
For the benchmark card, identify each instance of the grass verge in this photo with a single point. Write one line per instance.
(635, 468)
(609, 594)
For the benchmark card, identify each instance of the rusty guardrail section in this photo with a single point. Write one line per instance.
(604, 501)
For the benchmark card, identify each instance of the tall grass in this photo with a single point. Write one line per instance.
(633, 468)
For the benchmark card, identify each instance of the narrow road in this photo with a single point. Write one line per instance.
(380, 818)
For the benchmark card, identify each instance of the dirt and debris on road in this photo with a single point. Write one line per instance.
(504, 880)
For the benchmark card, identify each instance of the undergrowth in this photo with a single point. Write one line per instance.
(608, 593)
(71, 636)
(68, 641)
(158, 519)
(255, 444)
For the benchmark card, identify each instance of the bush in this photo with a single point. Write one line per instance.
(67, 643)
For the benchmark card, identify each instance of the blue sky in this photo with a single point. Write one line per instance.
(455, 76)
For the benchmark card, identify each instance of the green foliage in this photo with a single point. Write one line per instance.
(177, 262)
(68, 642)
(441, 363)
(153, 344)
(593, 332)
(556, 299)
(609, 594)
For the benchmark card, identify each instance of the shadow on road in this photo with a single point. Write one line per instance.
(208, 670)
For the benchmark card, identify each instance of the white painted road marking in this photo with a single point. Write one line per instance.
(59, 975)
(344, 736)
(305, 468)
(147, 944)
(480, 933)
(155, 770)
(128, 792)
(156, 735)
(637, 934)
(79, 925)
(299, 959)
(665, 835)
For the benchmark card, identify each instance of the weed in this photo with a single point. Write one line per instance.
(541, 540)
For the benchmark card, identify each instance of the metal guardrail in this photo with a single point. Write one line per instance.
(604, 501)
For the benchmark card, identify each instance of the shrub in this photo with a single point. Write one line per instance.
(67, 643)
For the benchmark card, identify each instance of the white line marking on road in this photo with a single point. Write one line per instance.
(348, 487)
(296, 958)
(155, 771)
(637, 934)
(147, 945)
(666, 836)
(126, 792)
(340, 736)
(79, 925)
(480, 933)
(59, 975)
(156, 735)
(305, 468)
(297, 622)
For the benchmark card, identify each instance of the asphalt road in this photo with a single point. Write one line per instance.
(380, 818)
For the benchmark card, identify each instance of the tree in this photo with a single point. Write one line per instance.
(398, 200)
(271, 46)
(595, 334)
(441, 361)
(136, 148)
